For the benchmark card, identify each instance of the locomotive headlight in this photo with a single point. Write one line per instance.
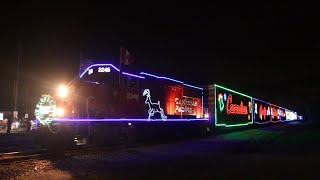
(60, 112)
(62, 91)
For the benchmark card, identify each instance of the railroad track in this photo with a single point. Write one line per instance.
(9, 157)
(21, 156)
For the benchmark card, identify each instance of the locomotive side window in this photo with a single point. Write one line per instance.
(131, 82)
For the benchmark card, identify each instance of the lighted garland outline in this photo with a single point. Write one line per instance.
(216, 104)
(40, 116)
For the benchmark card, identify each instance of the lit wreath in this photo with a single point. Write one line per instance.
(45, 109)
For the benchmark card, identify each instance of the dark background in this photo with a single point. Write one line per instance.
(269, 51)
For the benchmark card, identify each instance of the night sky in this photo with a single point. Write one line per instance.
(267, 51)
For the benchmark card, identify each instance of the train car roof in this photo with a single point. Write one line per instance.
(141, 75)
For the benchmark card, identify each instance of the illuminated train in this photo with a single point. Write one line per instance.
(106, 105)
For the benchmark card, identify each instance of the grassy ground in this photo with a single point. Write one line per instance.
(275, 152)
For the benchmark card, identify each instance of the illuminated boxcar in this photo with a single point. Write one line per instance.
(228, 108)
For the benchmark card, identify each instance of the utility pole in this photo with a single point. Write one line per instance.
(17, 77)
(15, 92)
